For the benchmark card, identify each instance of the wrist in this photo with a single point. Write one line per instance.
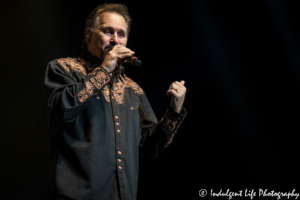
(107, 69)
(178, 110)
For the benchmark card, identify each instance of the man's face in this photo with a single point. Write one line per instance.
(110, 29)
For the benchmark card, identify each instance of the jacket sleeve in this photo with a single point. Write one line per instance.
(69, 91)
(157, 135)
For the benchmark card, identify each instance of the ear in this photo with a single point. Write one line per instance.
(88, 35)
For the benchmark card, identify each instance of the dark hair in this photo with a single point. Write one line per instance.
(107, 7)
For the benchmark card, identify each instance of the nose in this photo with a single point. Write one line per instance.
(114, 38)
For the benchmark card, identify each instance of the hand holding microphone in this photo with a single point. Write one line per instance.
(117, 55)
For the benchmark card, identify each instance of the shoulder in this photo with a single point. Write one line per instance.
(71, 65)
(134, 86)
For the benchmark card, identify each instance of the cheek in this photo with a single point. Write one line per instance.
(124, 42)
(99, 40)
(103, 39)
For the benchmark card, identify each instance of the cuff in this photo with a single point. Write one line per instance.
(172, 121)
(93, 84)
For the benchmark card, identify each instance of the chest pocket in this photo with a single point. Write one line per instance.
(135, 108)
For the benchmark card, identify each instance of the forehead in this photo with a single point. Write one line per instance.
(112, 19)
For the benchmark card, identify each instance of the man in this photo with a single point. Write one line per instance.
(100, 120)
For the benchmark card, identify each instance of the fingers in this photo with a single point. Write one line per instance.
(122, 52)
(177, 89)
(115, 57)
(178, 86)
(173, 93)
(126, 55)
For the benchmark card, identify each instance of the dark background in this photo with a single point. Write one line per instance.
(241, 64)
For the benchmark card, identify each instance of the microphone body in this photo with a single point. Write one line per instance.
(134, 61)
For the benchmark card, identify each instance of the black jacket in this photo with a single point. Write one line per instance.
(98, 126)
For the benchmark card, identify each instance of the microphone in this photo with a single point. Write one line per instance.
(134, 61)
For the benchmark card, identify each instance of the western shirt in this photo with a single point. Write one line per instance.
(99, 124)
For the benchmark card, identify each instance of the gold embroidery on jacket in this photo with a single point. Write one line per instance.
(171, 123)
(106, 93)
(119, 90)
(137, 106)
(92, 86)
(76, 65)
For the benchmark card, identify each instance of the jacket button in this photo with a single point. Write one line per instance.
(119, 160)
(118, 131)
(119, 152)
(117, 123)
(117, 117)
(120, 167)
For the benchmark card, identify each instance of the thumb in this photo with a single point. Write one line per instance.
(182, 82)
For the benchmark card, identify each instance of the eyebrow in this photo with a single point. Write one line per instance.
(103, 26)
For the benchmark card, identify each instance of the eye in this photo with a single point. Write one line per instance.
(106, 31)
(121, 34)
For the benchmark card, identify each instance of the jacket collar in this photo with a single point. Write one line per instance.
(91, 61)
